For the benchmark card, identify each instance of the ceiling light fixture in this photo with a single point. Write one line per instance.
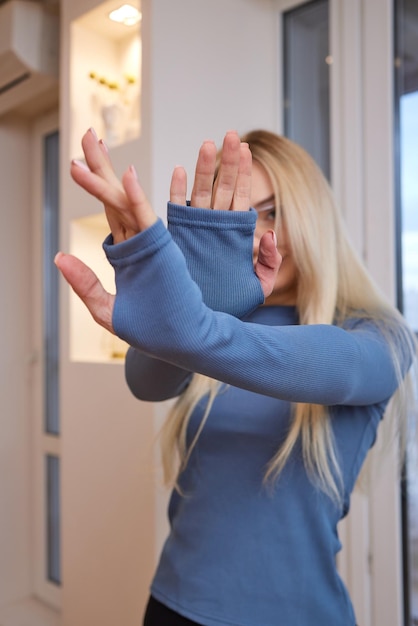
(126, 14)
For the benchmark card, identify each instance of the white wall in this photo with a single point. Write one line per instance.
(209, 67)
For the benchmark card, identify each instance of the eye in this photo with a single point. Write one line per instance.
(271, 214)
(266, 213)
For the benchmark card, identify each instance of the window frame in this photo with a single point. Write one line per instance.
(43, 443)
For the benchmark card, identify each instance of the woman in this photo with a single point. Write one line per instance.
(267, 438)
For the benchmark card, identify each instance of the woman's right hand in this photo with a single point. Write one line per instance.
(231, 191)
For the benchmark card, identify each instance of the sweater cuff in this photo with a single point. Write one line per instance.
(218, 248)
(141, 246)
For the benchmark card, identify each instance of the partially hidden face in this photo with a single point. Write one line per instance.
(262, 199)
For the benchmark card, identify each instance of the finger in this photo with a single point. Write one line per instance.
(124, 220)
(204, 174)
(242, 194)
(95, 185)
(112, 196)
(89, 289)
(224, 187)
(178, 187)
(97, 158)
(268, 262)
(141, 210)
(105, 150)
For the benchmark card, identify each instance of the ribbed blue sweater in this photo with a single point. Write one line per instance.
(238, 553)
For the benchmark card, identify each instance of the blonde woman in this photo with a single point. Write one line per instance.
(283, 378)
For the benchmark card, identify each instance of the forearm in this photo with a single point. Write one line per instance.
(210, 242)
(159, 309)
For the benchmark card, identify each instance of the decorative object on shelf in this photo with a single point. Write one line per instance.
(118, 104)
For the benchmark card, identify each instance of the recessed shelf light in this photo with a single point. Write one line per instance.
(126, 14)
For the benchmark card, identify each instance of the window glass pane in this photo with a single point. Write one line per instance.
(409, 202)
(306, 79)
(53, 519)
(50, 296)
(406, 133)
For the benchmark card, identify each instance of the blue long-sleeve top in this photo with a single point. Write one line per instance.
(239, 553)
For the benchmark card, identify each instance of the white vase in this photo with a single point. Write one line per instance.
(113, 120)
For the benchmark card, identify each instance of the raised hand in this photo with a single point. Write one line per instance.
(230, 191)
(127, 209)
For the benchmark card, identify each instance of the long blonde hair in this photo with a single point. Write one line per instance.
(333, 285)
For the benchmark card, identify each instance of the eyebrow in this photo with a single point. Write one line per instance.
(267, 203)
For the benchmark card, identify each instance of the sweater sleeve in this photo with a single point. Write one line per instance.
(153, 380)
(159, 309)
(211, 242)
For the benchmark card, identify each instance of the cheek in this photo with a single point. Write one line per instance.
(287, 272)
(283, 242)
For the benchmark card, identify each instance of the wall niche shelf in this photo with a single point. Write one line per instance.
(105, 77)
(89, 342)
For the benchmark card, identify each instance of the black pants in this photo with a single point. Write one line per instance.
(157, 614)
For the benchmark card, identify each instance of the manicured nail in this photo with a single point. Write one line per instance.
(93, 132)
(133, 170)
(80, 164)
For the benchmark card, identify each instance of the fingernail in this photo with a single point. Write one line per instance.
(274, 236)
(133, 170)
(104, 146)
(93, 132)
(81, 164)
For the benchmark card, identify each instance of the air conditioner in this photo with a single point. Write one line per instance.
(29, 55)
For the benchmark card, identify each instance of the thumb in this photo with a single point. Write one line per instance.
(88, 288)
(268, 262)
